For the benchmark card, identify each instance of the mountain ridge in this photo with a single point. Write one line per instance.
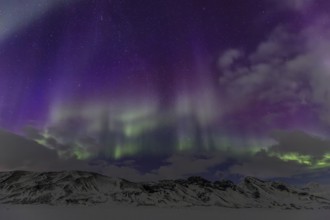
(89, 188)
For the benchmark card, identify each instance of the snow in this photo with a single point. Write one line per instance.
(77, 187)
(29, 195)
(318, 189)
(103, 212)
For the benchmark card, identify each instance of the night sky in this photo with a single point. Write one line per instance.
(154, 89)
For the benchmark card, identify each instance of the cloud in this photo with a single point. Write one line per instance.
(280, 45)
(124, 172)
(321, 176)
(19, 153)
(300, 142)
(264, 166)
(299, 4)
(270, 73)
(286, 75)
(95, 129)
(295, 153)
(185, 165)
(176, 166)
(229, 57)
(295, 5)
(32, 133)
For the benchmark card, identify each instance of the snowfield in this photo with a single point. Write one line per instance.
(81, 195)
(102, 212)
(69, 188)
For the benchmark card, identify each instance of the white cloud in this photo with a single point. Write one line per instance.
(229, 57)
(264, 74)
(289, 66)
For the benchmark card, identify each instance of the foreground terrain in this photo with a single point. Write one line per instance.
(91, 189)
(40, 212)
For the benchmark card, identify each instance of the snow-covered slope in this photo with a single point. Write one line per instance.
(318, 189)
(77, 187)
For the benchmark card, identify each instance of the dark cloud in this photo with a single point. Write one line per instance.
(173, 167)
(17, 152)
(264, 166)
(32, 132)
(184, 165)
(295, 153)
(300, 142)
(318, 176)
(125, 172)
(21, 153)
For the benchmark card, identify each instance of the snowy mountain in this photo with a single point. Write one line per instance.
(77, 187)
(318, 189)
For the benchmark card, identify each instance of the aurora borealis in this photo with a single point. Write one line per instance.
(145, 88)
